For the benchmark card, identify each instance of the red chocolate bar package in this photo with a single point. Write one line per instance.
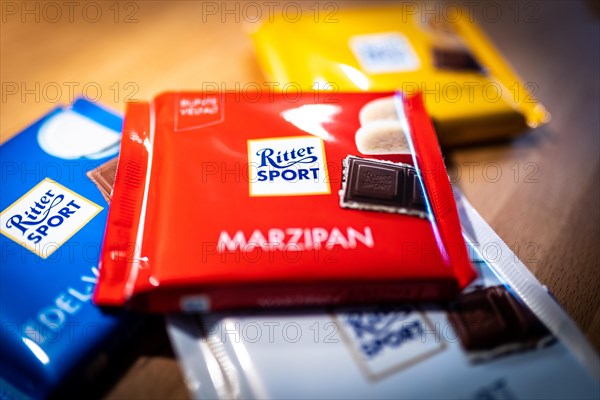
(227, 201)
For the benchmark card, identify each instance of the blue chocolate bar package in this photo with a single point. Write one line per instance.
(53, 210)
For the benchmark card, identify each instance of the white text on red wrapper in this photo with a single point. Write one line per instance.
(296, 239)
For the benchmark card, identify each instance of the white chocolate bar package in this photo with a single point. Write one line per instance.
(504, 337)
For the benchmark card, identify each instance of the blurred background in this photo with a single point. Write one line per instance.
(539, 192)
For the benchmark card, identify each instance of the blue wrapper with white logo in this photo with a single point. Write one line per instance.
(52, 220)
(503, 338)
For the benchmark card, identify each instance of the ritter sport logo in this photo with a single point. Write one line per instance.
(46, 217)
(287, 166)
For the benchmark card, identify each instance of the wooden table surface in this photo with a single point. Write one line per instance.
(544, 204)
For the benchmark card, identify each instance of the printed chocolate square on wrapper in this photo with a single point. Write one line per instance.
(104, 177)
(378, 185)
(491, 322)
(455, 59)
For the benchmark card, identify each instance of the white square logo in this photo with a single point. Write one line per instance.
(287, 166)
(384, 53)
(46, 217)
(385, 341)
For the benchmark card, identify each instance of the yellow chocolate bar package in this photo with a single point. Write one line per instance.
(470, 91)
